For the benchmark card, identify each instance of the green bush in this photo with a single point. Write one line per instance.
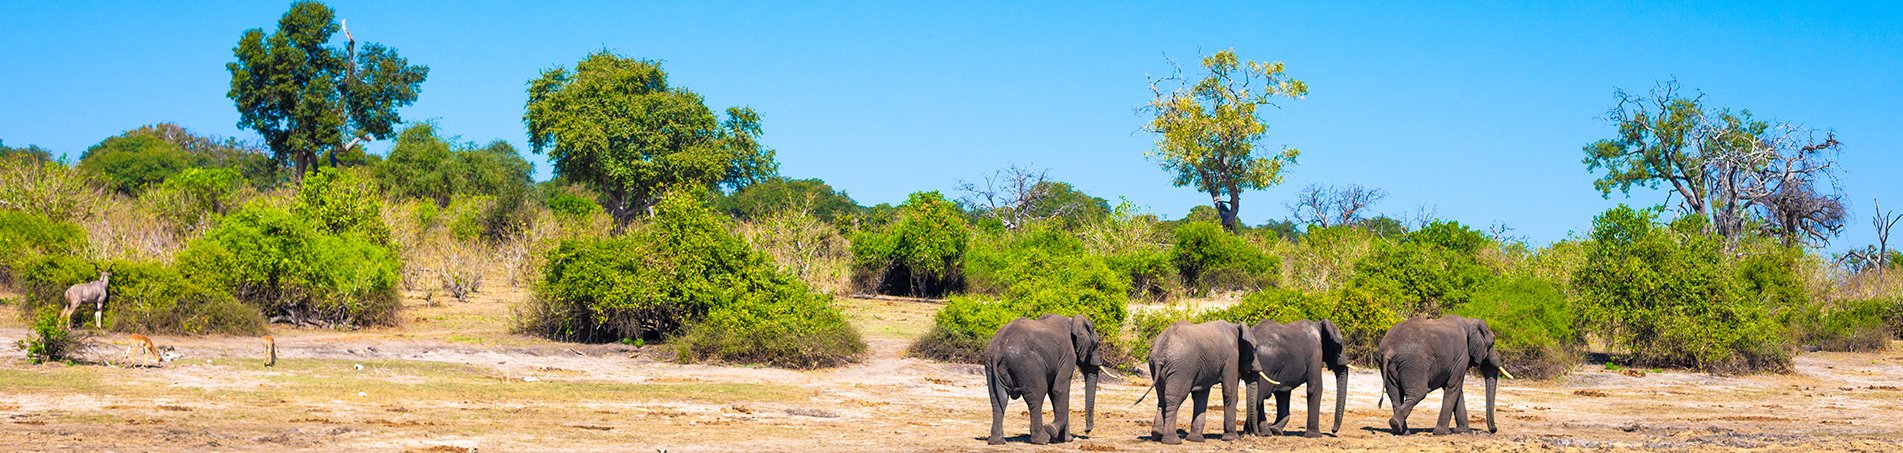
(684, 274)
(195, 195)
(342, 201)
(1855, 326)
(42, 279)
(23, 235)
(1036, 271)
(424, 165)
(48, 189)
(919, 254)
(154, 298)
(51, 341)
(1151, 272)
(774, 195)
(1533, 323)
(1209, 258)
(571, 203)
(288, 267)
(1670, 296)
(133, 161)
(1428, 271)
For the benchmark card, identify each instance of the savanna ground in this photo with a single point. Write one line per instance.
(452, 378)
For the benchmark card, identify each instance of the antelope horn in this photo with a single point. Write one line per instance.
(1265, 377)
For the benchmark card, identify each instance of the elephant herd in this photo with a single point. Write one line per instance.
(1034, 359)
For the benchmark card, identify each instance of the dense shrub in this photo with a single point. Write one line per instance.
(42, 279)
(1209, 258)
(570, 203)
(342, 202)
(777, 194)
(194, 196)
(23, 235)
(1533, 322)
(1428, 271)
(1134, 246)
(31, 152)
(49, 189)
(292, 268)
(1668, 295)
(1039, 270)
(131, 162)
(805, 246)
(1325, 257)
(684, 272)
(154, 298)
(919, 254)
(1855, 325)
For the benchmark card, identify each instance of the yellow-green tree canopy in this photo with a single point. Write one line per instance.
(1208, 130)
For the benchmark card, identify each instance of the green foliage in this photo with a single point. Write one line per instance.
(23, 235)
(776, 194)
(1533, 322)
(1670, 296)
(154, 298)
(1854, 325)
(1209, 258)
(308, 98)
(299, 267)
(616, 124)
(30, 152)
(196, 195)
(131, 162)
(685, 272)
(343, 201)
(1428, 271)
(1036, 271)
(569, 202)
(43, 278)
(48, 189)
(51, 341)
(1207, 130)
(424, 165)
(918, 254)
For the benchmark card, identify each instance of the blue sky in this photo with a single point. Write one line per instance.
(1475, 111)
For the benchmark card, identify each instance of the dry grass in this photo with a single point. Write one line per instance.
(804, 246)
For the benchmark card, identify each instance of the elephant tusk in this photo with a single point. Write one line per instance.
(1265, 377)
(1503, 371)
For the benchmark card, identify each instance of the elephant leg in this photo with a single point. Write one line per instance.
(1460, 412)
(1060, 412)
(1397, 423)
(1281, 413)
(999, 401)
(1167, 406)
(1450, 399)
(1314, 407)
(1405, 407)
(1229, 401)
(1040, 434)
(1199, 414)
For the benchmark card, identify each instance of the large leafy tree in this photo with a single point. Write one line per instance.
(309, 98)
(1208, 130)
(616, 124)
(425, 165)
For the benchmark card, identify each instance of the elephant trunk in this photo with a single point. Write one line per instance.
(1341, 397)
(1090, 400)
(1253, 422)
(1493, 383)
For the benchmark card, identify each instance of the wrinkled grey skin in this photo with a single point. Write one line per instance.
(1034, 360)
(1297, 354)
(1421, 355)
(1186, 361)
(93, 292)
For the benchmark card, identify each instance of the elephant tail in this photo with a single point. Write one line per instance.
(1146, 394)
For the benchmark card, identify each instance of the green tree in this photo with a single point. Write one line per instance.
(132, 161)
(616, 124)
(31, 151)
(309, 99)
(1208, 131)
(424, 165)
(776, 195)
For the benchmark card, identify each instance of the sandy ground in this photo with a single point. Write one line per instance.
(453, 379)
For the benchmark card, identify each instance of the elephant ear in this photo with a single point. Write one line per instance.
(1083, 336)
(1479, 341)
(1334, 347)
(1245, 344)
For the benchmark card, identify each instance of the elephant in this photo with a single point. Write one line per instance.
(1034, 359)
(1295, 354)
(1421, 355)
(1187, 360)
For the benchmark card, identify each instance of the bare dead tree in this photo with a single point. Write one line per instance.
(1780, 174)
(1010, 194)
(1875, 256)
(1327, 206)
